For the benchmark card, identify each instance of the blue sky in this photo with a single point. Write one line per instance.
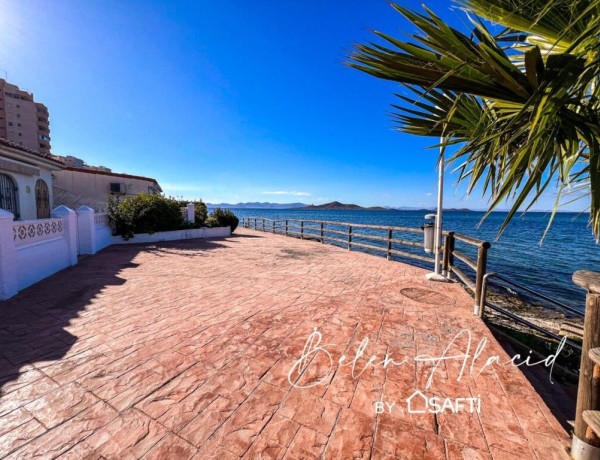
(227, 101)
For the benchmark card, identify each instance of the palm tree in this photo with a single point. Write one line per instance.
(521, 105)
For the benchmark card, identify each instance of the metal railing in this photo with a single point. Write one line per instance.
(498, 309)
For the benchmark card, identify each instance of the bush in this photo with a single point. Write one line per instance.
(212, 222)
(223, 218)
(200, 211)
(144, 213)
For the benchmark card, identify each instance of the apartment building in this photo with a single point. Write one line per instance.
(22, 120)
(79, 163)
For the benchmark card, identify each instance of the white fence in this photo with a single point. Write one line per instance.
(95, 232)
(33, 250)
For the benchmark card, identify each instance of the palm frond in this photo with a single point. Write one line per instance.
(523, 119)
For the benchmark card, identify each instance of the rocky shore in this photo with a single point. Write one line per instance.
(541, 315)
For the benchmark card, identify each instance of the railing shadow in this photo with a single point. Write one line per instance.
(560, 396)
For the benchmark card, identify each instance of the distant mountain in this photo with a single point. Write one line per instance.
(256, 205)
(336, 205)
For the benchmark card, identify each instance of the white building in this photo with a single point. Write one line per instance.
(74, 187)
(26, 181)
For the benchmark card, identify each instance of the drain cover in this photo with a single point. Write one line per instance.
(427, 296)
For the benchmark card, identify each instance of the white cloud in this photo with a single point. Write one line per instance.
(430, 194)
(285, 192)
(181, 187)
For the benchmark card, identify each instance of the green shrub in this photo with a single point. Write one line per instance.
(212, 222)
(144, 213)
(223, 218)
(200, 211)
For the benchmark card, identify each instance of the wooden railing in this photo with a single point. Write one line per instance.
(586, 435)
(479, 266)
(345, 234)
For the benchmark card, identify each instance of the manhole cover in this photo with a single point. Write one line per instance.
(427, 296)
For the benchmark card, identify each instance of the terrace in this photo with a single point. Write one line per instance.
(183, 349)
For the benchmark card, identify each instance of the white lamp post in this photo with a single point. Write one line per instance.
(436, 275)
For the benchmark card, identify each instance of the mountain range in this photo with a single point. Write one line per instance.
(333, 206)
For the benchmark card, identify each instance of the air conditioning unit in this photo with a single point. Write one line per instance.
(116, 187)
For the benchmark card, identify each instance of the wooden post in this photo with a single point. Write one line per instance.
(349, 237)
(263, 224)
(389, 247)
(588, 397)
(301, 230)
(481, 270)
(446, 256)
(322, 233)
(273, 222)
(451, 256)
(286, 227)
(254, 224)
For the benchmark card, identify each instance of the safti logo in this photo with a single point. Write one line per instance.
(419, 403)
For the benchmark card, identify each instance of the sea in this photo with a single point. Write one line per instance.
(544, 265)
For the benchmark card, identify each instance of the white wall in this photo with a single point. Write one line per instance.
(75, 188)
(26, 192)
(104, 233)
(35, 249)
(40, 260)
(189, 234)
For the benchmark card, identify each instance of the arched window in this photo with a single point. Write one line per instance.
(8, 195)
(42, 199)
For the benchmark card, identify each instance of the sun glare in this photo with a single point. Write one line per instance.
(11, 29)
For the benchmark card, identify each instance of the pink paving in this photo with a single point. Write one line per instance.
(183, 350)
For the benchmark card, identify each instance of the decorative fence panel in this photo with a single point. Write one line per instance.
(101, 219)
(36, 231)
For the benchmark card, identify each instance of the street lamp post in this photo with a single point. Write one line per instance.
(436, 275)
